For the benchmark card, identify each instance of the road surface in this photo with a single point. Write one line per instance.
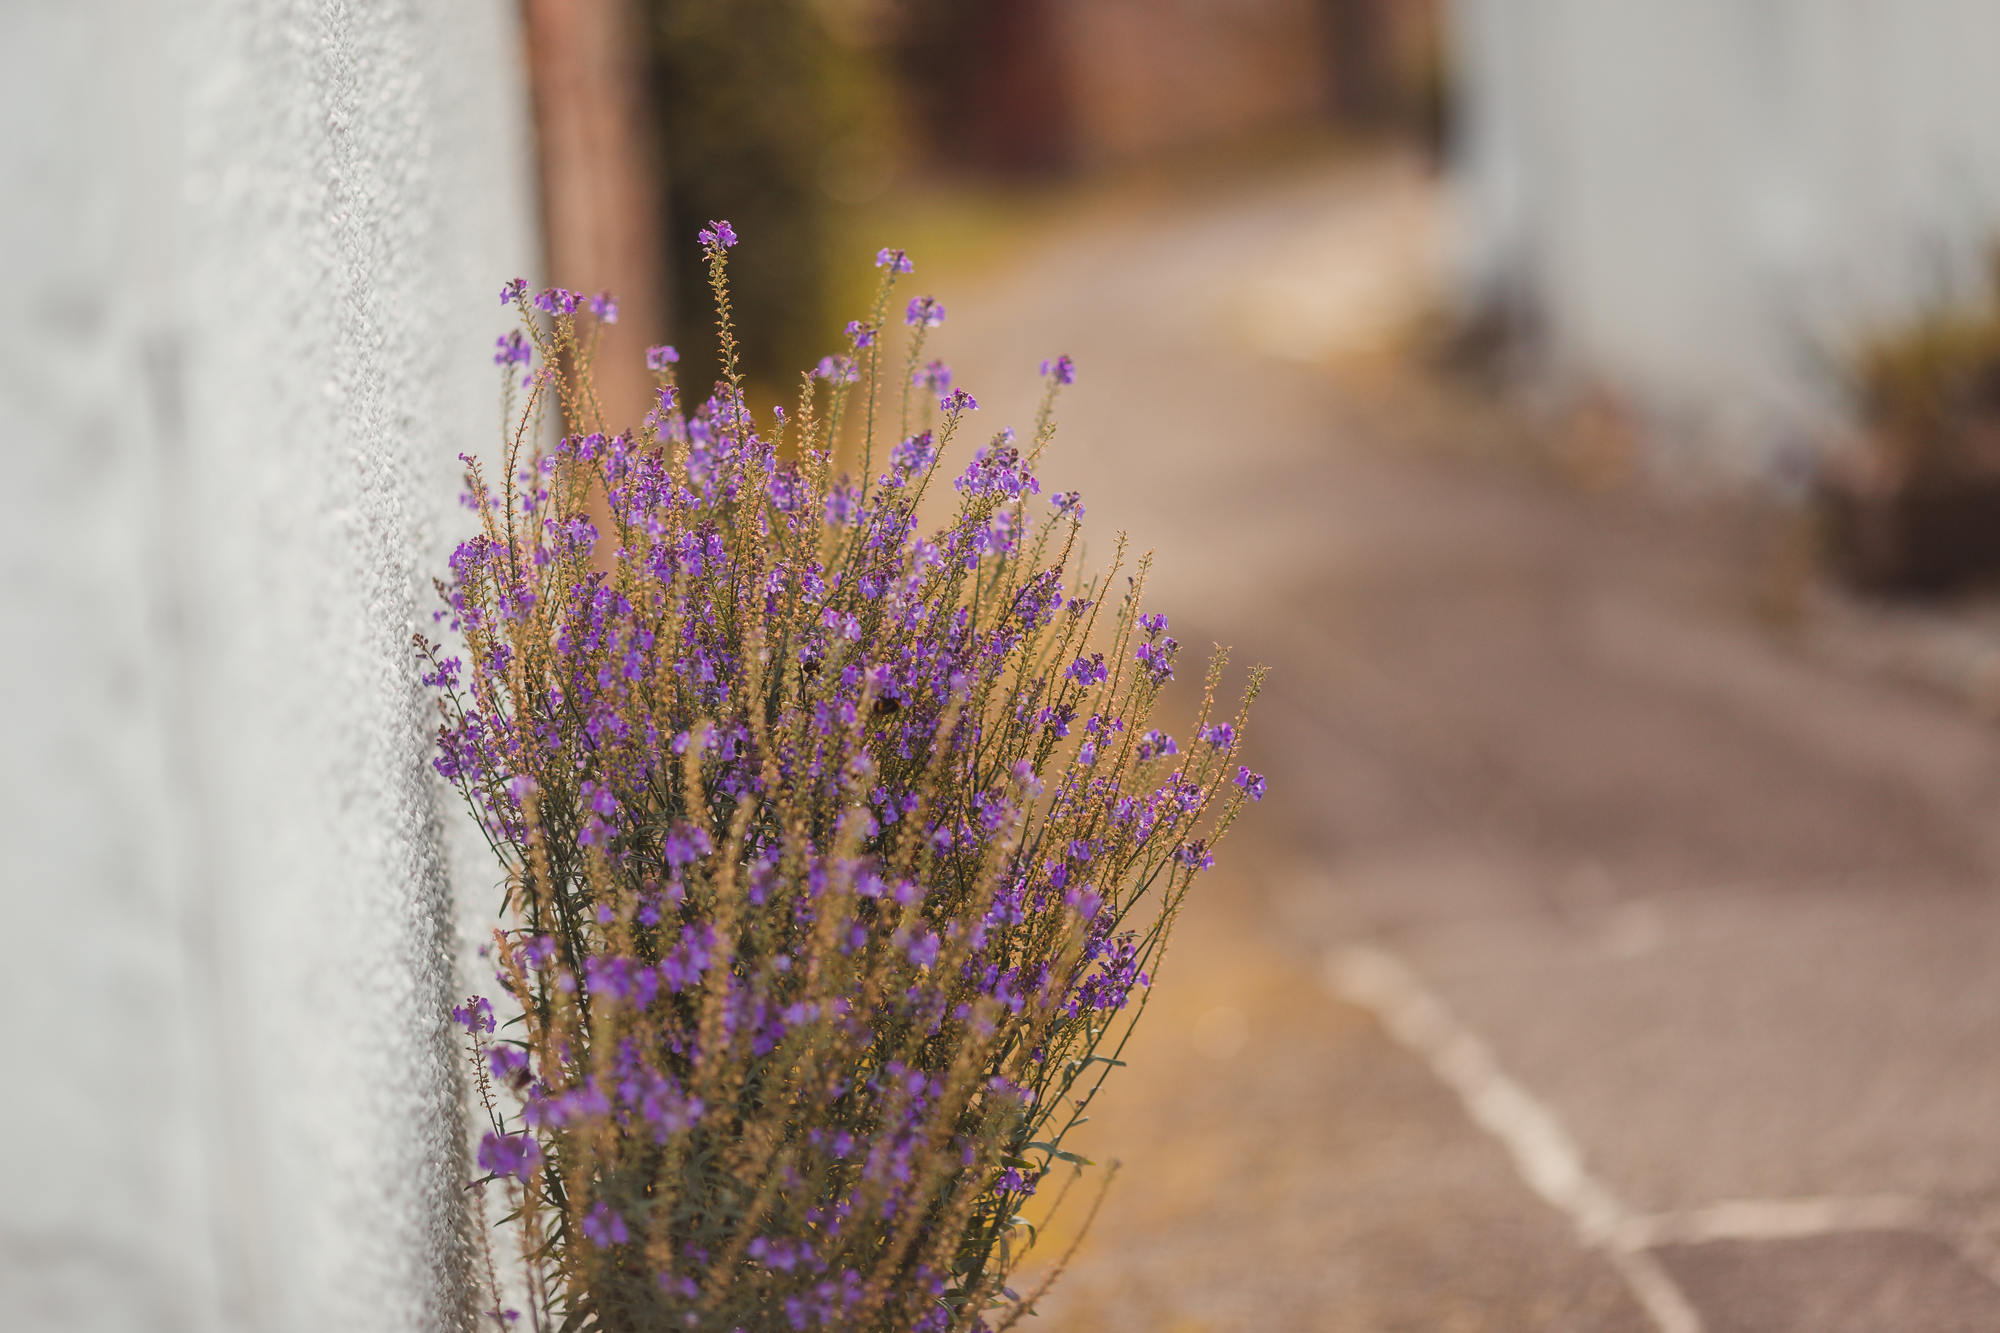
(1601, 960)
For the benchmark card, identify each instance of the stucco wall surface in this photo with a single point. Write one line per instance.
(1705, 201)
(252, 256)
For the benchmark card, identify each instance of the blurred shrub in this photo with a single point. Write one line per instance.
(1929, 390)
(1917, 508)
(771, 116)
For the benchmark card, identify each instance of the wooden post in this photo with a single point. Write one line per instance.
(600, 176)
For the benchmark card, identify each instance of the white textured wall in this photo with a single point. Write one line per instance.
(251, 255)
(1701, 197)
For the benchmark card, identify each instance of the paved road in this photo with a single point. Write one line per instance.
(1601, 960)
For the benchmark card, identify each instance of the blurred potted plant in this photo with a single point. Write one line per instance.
(1917, 506)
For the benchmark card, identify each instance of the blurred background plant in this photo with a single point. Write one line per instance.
(776, 115)
(800, 119)
(1917, 504)
(1927, 387)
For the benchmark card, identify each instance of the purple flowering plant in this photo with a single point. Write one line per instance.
(838, 853)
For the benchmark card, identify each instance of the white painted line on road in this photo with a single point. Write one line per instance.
(1542, 1149)
(1778, 1219)
(1550, 1162)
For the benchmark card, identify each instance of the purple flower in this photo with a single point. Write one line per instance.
(837, 370)
(934, 375)
(1039, 598)
(686, 964)
(717, 235)
(896, 261)
(598, 799)
(1221, 735)
(1013, 1181)
(557, 301)
(659, 358)
(913, 455)
(1088, 671)
(515, 1155)
(1062, 368)
(512, 349)
(605, 1227)
(1069, 502)
(604, 307)
(513, 291)
(1157, 743)
(445, 676)
(553, 1111)
(1251, 783)
(958, 400)
(506, 1062)
(859, 335)
(668, 1110)
(1087, 901)
(922, 949)
(840, 502)
(622, 980)
(475, 1015)
(1194, 853)
(685, 844)
(924, 312)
